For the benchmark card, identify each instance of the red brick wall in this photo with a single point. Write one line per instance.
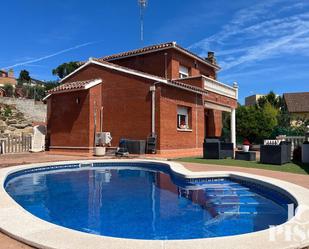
(95, 103)
(127, 111)
(214, 123)
(126, 101)
(170, 137)
(68, 122)
(154, 63)
(220, 99)
(196, 81)
(196, 67)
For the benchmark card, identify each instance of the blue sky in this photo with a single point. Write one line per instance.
(261, 44)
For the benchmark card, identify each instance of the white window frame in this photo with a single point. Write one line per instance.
(183, 72)
(183, 111)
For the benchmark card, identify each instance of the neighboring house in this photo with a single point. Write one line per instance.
(162, 89)
(253, 99)
(7, 78)
(297, 105)
(34, 82)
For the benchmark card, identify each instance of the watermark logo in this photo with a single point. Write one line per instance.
(297, 230)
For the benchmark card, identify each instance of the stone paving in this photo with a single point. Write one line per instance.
(26, 158)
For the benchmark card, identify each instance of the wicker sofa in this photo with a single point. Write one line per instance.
(276, 154)
(213, 148)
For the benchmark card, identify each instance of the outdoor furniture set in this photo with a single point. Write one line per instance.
(272, 152)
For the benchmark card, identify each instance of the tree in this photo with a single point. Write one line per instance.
(271, 98)
(34, 92)
(24, 76)
(256, 123)
(50, 85)
(65, 69)
(9, 90)
(267, 121)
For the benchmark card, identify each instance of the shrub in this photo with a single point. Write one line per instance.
(9, 90)
(7, 111)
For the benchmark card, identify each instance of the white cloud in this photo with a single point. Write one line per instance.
(50, 55)
(260, 32)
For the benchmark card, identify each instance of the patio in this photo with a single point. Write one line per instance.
(26, 158)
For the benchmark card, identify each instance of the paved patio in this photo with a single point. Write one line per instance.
(26, 158)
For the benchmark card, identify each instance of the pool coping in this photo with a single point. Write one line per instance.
(25, 227)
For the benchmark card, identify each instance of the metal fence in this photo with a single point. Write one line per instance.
(15, 144)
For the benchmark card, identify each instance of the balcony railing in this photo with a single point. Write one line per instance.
(220, 88)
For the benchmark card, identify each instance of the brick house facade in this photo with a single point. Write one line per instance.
(162, 89)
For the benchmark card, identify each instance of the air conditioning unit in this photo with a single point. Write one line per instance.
(103, 138)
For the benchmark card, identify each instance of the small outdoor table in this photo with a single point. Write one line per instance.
(247, 156)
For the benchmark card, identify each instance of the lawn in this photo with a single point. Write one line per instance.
(292, 167)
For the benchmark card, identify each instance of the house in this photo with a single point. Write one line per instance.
(297, 105)
(162, 89)
(7, 78)
(34, 82)
(253, 99)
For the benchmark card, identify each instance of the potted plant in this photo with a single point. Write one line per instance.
(183, 125)
(246, 145)
(100, 149)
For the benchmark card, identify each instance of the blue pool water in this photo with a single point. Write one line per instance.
(143, 203)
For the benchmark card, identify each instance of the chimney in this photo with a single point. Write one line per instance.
(11, 73)
(211, 57)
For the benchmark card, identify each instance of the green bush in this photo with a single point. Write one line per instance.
(7, 111)
(9, 90)
(256, 123)
(33, 92)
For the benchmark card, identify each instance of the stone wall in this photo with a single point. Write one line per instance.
(32, 111)
(13, 122)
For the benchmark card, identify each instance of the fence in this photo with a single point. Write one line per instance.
(295, 141)
(14, 144)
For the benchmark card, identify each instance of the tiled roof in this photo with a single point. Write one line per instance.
(73, 86)
(138, 51)
(154, 48)
(194, 88)
(168, 82)
(297, 102)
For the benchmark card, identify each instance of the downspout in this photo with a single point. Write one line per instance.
(153, 109)
(196, 122)
(165, 65)
(94, 122)
(152, 89)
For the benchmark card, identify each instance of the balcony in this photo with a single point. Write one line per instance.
(220, 88)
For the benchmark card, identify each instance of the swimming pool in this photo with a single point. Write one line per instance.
(146, 200)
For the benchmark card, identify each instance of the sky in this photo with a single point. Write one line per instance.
(263, 45)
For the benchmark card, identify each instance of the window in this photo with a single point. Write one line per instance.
(183, 117)
(183, 72)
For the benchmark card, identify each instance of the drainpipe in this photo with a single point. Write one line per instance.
(153, 108)
(165, 65)
(233, 117)
(196, 122)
